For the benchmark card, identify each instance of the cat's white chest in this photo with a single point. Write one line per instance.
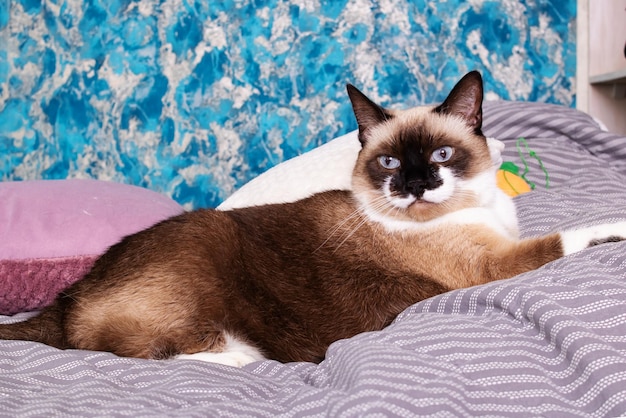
(500, 217)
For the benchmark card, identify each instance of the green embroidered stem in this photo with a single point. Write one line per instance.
(534, 155)
(508, 182)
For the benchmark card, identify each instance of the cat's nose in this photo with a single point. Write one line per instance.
(416, 187)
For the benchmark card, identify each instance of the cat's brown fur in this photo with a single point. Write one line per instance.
(290, 279)
(155, 294)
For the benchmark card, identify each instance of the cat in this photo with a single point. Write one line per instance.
(284, 281)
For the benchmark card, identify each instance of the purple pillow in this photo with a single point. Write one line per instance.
(51, 232)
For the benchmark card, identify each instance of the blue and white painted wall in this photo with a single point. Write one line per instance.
(194, 98)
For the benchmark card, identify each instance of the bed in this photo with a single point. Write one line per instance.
(551, 342)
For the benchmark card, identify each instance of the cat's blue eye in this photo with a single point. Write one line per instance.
(389, 162)
(441, 155)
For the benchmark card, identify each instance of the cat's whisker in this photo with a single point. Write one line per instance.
(376, 204)
(379, 203)
(350, 233)
(338, 226)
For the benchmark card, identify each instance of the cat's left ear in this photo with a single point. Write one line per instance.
(466, 100)
(368, 114)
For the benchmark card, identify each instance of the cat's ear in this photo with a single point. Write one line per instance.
(466, 100)
(368, 114)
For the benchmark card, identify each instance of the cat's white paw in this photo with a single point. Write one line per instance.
(579, 239)
(231, 358)
(236, 353)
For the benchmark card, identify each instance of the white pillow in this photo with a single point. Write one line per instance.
(327, 167)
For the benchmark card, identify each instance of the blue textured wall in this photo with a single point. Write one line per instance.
(195, 98)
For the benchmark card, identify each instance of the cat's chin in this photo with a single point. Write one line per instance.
(412, 203)
(430, 198)
(397, 219)
(426, 209)
(409, 209)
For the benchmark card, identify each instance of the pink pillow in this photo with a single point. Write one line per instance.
(51, 232)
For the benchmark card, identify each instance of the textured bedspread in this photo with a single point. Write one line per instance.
(551, 342)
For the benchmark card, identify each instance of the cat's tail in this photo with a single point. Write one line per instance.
(46, 327)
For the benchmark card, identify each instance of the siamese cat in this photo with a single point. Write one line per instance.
(284, 281)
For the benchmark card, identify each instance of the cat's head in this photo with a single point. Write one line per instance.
(425, 162)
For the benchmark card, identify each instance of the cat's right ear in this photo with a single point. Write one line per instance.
(466, 100)
(368, 114)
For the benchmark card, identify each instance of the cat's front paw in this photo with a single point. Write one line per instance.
(579, 239)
